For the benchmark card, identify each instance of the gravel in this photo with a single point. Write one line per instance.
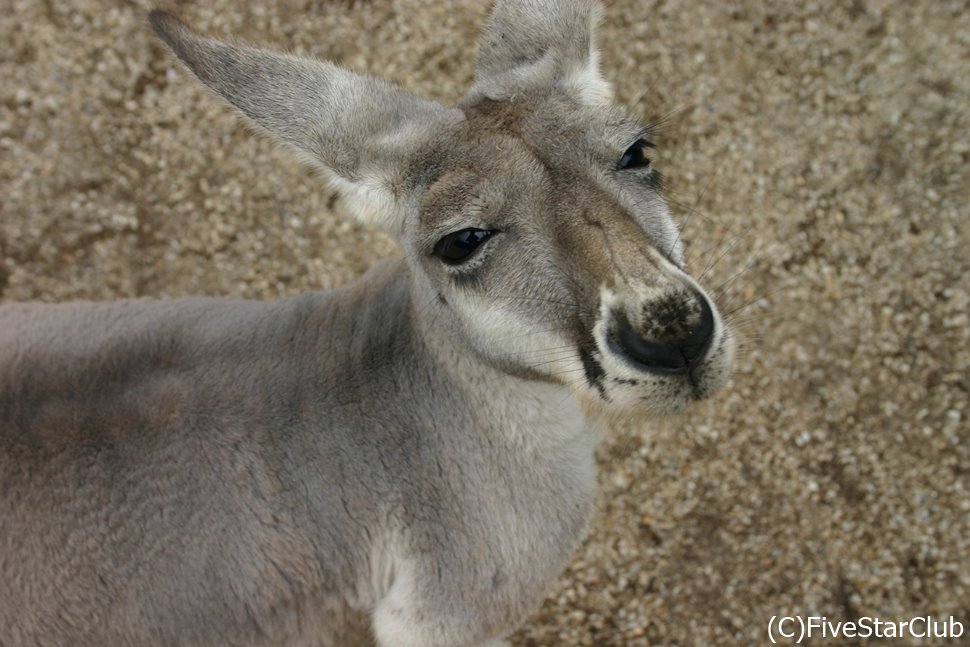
(818, 158)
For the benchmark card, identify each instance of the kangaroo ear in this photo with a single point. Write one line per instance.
(362, 132)
(541, 43)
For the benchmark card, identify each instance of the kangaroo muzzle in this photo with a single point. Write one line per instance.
(672, 336)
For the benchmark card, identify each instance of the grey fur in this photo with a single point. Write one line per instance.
(408, 458)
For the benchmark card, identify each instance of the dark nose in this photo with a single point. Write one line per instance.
(669, 356)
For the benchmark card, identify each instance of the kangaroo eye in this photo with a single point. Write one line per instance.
(634, 156)
(458, 246)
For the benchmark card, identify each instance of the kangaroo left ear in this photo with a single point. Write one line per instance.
(362, 132)
(541, 43)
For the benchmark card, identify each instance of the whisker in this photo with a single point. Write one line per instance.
(725, 285)
(710, 265)
(761, 294)
(747, 303)
(541, 331)
(526, 297)
(558, 356)
(696, 203)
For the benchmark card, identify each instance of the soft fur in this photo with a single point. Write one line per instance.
(407, 459)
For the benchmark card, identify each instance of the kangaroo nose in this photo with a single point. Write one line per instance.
(670, 356)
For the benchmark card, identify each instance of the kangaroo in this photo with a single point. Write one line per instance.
(407, 460)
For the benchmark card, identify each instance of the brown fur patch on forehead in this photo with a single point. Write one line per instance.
(499, 117)
(449, 194)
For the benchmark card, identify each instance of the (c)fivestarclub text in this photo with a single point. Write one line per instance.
(795, 629)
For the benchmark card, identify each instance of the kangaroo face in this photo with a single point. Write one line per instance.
(532, 222)
(550, 249)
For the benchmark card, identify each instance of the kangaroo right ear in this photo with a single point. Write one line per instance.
(362, 132)
(541, 43)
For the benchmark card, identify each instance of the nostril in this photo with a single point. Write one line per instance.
(665, 357)
(655, 356)
(699, 339)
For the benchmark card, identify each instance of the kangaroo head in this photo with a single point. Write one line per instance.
(531, 220)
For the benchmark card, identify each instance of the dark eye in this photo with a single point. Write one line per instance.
(460, 245)
(634, 156)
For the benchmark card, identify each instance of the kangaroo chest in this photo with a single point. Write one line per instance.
(489, 532)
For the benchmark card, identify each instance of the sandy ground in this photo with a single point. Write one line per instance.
(819, 149)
